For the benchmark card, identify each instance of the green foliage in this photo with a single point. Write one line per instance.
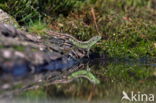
(22, 10)
(37, 27)
(55, 7)
(129, 73)
(27, 10)
(2, 1)
(120, 3)
(34, 94)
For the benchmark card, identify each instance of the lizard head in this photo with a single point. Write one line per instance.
(97, 38)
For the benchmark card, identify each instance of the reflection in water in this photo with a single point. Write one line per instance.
(85, 74)
(78, 82)
(22, 68)
(48, 78)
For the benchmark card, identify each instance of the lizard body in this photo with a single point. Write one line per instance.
(86, 44)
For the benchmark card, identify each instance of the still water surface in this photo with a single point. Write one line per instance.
(93, 81)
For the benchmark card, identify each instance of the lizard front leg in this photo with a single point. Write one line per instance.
(88, 52)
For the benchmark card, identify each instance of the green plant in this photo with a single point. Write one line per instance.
(22, 10)
(27, 10)
(37, 27)
(34, 94)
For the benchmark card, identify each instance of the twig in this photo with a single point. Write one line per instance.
(94, 19)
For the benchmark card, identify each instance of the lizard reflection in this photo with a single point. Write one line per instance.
(56, 77)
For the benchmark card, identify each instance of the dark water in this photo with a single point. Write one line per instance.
(92, 81)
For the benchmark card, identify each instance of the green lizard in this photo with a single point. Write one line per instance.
(86, 44)
(85, 74)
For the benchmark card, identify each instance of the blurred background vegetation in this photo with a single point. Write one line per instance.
(128, 27)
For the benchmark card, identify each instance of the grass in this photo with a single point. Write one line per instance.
(25, 10)
(37, 27)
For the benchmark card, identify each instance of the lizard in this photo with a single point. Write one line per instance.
(86, 44)
(80, 44)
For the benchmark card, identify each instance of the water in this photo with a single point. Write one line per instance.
(94, 81)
